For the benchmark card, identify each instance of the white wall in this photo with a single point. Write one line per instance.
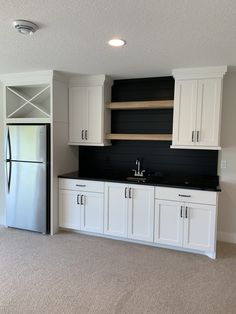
(227, 198)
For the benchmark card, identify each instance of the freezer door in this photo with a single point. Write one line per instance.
(27, 142)
(26, 198)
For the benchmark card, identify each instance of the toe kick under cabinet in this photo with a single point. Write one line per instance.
(183, 219)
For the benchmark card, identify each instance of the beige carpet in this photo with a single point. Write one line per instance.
(70, 273)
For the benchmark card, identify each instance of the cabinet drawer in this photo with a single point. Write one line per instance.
(81, 185)
(185, 195)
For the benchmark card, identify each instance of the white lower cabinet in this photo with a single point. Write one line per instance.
(92, 212)
(129, 211)
(166, 216)
(115, 210)
(199, 227)
(69, 209)
(187, 225)
(168, 223)
(80, 209)
(141, 212)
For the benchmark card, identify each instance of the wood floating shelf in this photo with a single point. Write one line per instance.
(139, 137)
(135, 105)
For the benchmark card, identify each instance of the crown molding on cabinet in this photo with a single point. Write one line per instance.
(199, 73)
(88, 80)
(36, 77)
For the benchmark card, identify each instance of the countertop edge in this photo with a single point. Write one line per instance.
(73, 177)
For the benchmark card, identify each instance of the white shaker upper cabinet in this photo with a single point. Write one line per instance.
(185, 109)
(89, 120)
(78, 113)
(197, 108)
(208, 113)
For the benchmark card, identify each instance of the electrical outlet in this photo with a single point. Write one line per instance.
(223, 164)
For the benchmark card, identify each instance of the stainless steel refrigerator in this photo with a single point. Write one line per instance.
(27, 172)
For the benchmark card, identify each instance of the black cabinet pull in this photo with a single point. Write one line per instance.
(82, 134)
(186, 212)
(78, 197)
(82, 200)
(198, 136)
(126, 192)
(183, 195)
(86, 134)
(181, 211)
(192, 136)
(130, 193)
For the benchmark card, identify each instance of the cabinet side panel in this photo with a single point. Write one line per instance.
(64, 158)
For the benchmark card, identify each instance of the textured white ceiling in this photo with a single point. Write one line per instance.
(160, 35)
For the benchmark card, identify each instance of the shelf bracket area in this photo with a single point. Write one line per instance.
(139, 137)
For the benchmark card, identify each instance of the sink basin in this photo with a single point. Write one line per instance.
(136, 179)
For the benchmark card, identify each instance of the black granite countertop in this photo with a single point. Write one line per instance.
(206, 183)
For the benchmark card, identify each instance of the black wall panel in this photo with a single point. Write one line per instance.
(119, 159)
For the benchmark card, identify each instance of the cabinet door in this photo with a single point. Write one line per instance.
(168, 222)
(115, 210)
(141, 212)
(185, 103)
(95, 115)
(69, 209)
(92, 212)
(78, 114)
(208, 112)
(199, 227)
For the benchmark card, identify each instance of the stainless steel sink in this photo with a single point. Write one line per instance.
(136, 179)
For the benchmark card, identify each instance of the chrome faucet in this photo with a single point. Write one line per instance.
(138, 172)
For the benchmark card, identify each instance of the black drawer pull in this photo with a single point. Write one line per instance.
(183, 195)
(81, 185)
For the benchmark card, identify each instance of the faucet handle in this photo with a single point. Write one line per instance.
(135, 172)
(142, 172)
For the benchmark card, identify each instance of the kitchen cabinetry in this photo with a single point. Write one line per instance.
(81, 205)
(92, 212)
(69, 209)
(168, 223)
(197, 108)
(159, 216)
(129, 211)
(89, 119)
(140, 212)
(185, 224)
(199, 227)
(116, 210)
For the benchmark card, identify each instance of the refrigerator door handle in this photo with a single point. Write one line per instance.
(8, 160)
(8, 175)
(8, 146)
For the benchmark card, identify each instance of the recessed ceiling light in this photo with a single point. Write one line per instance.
(25, 27)
(117, 42)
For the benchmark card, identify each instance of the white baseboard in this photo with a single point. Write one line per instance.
(226, 237)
